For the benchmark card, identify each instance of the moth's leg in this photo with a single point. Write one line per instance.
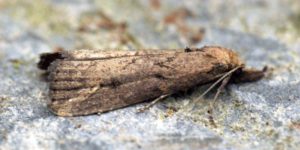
(221, 88)
(229, 73)
(153, 103)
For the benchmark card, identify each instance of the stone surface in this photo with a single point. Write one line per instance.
(260, 115)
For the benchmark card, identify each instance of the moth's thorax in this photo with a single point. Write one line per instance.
(235, 59)
(226, 55)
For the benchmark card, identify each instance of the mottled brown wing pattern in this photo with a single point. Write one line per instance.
(83, 82)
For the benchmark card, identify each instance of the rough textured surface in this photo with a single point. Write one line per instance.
(259, 115)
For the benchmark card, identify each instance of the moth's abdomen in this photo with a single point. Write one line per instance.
(85, 86)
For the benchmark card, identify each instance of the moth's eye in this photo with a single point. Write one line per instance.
(240, 70)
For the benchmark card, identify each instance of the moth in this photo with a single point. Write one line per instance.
(84, 82)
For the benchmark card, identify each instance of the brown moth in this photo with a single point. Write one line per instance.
(85, 82)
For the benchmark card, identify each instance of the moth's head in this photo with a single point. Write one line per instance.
(248, 75)
(228, 56)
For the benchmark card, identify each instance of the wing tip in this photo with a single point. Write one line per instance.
(47, 58)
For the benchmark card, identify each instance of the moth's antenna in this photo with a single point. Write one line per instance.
(210, 110)
(222, 86)
(229, 73)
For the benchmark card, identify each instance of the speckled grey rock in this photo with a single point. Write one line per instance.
(260, 115)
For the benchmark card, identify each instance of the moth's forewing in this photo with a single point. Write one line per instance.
(80, 85)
